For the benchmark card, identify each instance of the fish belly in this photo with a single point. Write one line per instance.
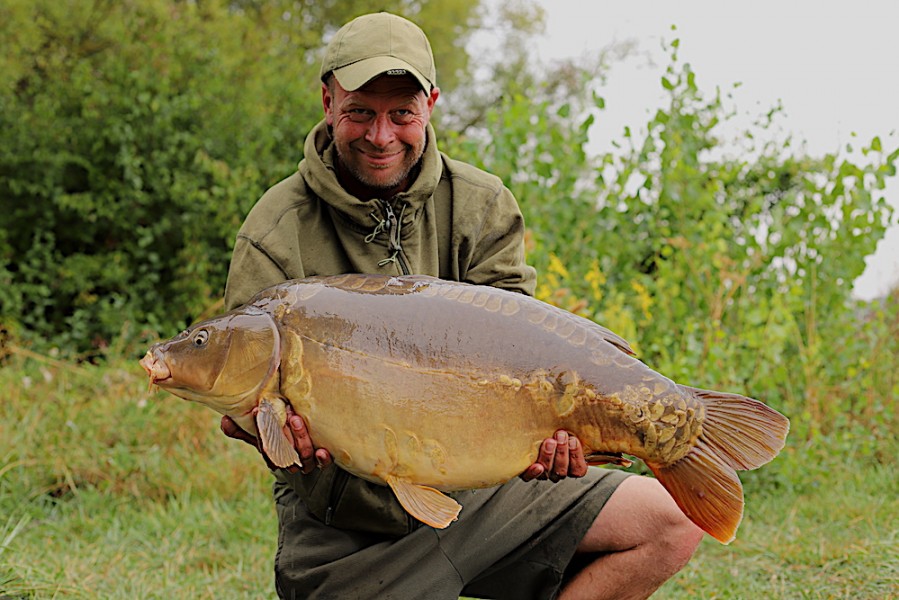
(448, 430)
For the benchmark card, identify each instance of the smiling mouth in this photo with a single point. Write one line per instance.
(381, 160)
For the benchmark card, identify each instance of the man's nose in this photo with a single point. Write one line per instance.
(380, 133)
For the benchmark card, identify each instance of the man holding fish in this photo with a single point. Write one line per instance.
(374, 195)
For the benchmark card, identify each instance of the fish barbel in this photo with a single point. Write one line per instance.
(431, 386)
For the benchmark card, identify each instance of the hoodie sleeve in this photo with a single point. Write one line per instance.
(498, 256)
(251, 270)
(265, 251)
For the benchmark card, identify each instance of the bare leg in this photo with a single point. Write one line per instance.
(640, 539)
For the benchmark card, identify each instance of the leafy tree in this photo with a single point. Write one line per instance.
(136, 137)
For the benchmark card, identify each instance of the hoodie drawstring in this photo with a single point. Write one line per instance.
(391, 225)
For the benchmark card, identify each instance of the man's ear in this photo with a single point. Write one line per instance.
(432, 99)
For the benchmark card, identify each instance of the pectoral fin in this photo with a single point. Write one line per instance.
(271, 416)
(431, 507)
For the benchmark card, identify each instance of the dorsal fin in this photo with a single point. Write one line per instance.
(617, 341)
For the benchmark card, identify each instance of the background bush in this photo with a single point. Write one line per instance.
(136, 137)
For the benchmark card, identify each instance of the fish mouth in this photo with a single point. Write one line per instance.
(156, 368)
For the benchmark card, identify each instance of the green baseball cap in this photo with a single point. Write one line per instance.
(379, 44)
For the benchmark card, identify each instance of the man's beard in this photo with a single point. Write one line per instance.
(410, 162)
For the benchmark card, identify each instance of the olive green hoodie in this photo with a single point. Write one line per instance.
(455, 222)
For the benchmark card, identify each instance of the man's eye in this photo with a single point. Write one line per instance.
(359, 115)
(403, 116)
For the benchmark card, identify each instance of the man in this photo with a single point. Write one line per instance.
(374, 195)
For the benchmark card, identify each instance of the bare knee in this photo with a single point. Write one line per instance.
(642, 515)
(640, 525)
(674, 538)
(676, 541)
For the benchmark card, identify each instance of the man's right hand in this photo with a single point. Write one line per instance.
(560, 456)
(295, 430)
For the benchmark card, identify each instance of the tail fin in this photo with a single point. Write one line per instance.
(738, 433)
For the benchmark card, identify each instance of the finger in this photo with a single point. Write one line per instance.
(547, 454)
(577, 463)
(302, 442)
(540, 469)
(560, 460)
(533, 472)
(323, 458)
(289, 433)
(234, 431)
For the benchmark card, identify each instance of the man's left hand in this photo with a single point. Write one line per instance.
(560, 457)
(295, 430)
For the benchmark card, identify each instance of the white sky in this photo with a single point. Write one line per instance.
(834, 65)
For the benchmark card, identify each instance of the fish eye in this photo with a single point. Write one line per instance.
(200, 337)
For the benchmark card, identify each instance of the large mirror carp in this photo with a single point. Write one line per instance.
(431, 386)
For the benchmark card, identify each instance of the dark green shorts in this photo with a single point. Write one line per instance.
(514, 541)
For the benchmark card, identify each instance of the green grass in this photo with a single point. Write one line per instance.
(107, 491)
(836, 536)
